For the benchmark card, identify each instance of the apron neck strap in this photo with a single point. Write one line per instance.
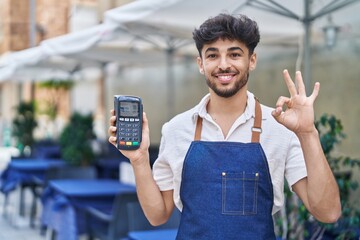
(256, 129)
(198, 129)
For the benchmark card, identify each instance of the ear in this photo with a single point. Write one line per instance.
(252, 63)
(200, 65)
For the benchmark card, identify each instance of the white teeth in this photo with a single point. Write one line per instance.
(225, 77)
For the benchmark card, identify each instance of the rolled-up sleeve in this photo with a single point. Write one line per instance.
(162, 171)
(295, 169)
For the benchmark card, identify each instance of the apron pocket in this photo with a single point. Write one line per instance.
(239, 193)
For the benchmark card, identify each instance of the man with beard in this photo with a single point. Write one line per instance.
(223, 163)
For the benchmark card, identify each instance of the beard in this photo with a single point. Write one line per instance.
(228, 92)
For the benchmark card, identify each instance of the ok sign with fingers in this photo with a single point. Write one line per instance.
(297, 111)
(297, 114)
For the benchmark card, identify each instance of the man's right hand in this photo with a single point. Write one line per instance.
(139, 156)
(156, 205)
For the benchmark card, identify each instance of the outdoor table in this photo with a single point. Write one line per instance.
(26, 171)
(23, 172)
(161, 234)
(65, 203)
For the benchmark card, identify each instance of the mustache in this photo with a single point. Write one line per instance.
(226, 71)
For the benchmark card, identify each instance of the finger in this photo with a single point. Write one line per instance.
(315, 92)
(279, 107)
(145, 123)
(112, 140)
(289, 83)
(300, 83)
(282, 101)
(277, 112)
(112, 130)
(112, 120)
(112, 117)
(278, 115)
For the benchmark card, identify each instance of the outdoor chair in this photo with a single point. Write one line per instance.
(125, 216)
(69, 172)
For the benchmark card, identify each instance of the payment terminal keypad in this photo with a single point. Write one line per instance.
(129, 134)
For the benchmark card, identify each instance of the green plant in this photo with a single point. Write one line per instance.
(24, 124)
(75, 140)
(55, 89)
(331, 134)
(301, 224)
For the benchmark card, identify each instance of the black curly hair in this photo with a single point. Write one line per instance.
(226, 26)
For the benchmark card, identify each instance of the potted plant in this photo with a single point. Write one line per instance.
(24, 124)
(55, 89)
(52, 95)
(75, 140)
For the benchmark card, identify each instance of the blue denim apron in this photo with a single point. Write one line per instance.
(226, 189)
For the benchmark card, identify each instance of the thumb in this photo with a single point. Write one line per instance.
(277, 114)
(145, 123)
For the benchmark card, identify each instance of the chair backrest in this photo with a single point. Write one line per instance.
(119, 226)
(153, 154)
(138, 221)
(129, 216)
(70, 172)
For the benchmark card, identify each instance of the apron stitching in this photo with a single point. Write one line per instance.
(247, 181)
(243, 207)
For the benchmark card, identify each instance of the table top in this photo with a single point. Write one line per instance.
(35, 164)
(161, 234)
(90, 187)
(26, 171)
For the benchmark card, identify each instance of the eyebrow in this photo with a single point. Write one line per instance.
(212, 49)
(235, 48)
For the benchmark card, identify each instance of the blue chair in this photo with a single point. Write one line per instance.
(124, 217)
(68, 172)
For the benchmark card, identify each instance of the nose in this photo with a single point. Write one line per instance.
(224, 64)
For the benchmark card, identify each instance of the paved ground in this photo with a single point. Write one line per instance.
(13, 227)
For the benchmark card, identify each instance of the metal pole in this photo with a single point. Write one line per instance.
(102, 96)
(32, 36)
(170, 81)
(32, 23)
(307, 47)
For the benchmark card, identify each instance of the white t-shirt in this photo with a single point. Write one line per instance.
(281, 147)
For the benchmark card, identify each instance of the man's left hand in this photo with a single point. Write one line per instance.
(297, 111)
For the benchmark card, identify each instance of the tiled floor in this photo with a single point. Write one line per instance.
(13, 227)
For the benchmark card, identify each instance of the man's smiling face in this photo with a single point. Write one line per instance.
(226, 65)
